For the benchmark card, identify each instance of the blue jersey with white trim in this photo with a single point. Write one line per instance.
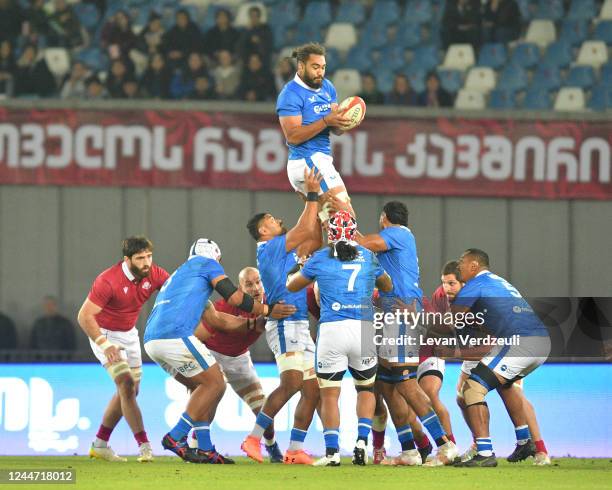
(181, 300)
(274, 263)
(346, 287)
(505, 311)
(401, 262)
(297, 99)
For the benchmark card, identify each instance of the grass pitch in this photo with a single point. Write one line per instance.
(170, 472)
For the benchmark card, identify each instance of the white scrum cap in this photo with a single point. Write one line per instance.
(205, 248)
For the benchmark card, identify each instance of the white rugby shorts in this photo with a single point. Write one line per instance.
(238, 370)
(324, 164)
(186, 356)
(127, 340)
(343, 344)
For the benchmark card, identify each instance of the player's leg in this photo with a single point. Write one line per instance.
(330, 417)
(466, 368)
(430, 375)
(364, 380)
(541, 455)
(515, 406)
(379, 425)
(304, 413)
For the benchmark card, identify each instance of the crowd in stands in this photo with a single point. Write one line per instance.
(175, 49)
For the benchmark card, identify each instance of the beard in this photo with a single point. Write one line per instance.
(140, 273)
(311, 82)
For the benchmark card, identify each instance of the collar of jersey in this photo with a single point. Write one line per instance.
(482, 272)
(301, 83)
(128, 273)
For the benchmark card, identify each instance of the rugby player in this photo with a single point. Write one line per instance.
(108, 316)
(398, 364)
(506, 314)
(171, 342)
(346, 274)
(307, 108)
(278, 251)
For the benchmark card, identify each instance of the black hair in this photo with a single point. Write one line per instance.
(302, 53)
(451, 267)
(396, 212)
(344, 250)
(253, 225)
(135, 244)
(480, 255)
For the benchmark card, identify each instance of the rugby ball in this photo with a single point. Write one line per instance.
(354, 109)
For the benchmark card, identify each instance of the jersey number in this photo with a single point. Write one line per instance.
(355, 268)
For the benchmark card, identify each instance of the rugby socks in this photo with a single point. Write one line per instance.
(103, 436)
(451, 438)
(484, 446)
(364, 426)
(522, 434)
(141, 437)
(202, 432)
(271, 441)
(262, 422)
(432, 423)
(331, 437)
(422, 442)
(268, 436)
(296, 442)
(379, 424)
(180, 430)
(541, 447)
(405, 437)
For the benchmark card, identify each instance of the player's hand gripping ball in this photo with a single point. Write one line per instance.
(354, 109)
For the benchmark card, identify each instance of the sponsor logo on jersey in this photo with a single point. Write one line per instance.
(336, 306)
(321, 108)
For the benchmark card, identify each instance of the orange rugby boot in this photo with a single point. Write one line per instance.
(252, 447)
(297, 457)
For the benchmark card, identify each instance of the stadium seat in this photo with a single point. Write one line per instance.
(58, 61)
(502, 99)
(601, 98)
(359, 57)
(606, 10)
(280, 34)
(318, 12)
(94, 58)
(526, 55)
(573, 32)
(480, 79)
(580, 76)
(88, 15)
(513, 78)
(603, 32)
(536, 99)
(347, 82)
(594, 53)
(392, 56)
(384, 80)
(385, 12)
(558, 53)
(418, 11)
(605, 74)
(242, 15)
(527, 9)
(351, 12)
(459, 57)
(140, 61)
(286, 13)
(308, 32)
(426, 57)
(546, 77)
(492, 55)
(541, 32)
(342, 36)
(374, 35)
(467, 99)
(409, 36)
(549, 9)
(451, 80)
(582, 10)
(570, 99)
(416, 76)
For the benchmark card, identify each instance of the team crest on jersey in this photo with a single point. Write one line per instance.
(146, 285)
(125, 290)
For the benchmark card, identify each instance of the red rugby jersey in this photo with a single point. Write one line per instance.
(121, 296)
(231, 344)
(437, 304)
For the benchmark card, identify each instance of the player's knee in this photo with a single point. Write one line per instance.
(473, 392)
(255, 399)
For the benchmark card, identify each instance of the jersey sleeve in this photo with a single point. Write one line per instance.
(289, 103)
(161, 275)
(468, 295)
(213, 269)
(378, 270)
(101, 292)
(309, 271)
(391, 236)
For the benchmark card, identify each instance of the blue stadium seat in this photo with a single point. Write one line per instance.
(384, 80)
(426, 57)
(409, 35)
(574, 32)
(359, 58)
(526, 55)
(451, 80)
(374, 35)
(546, 77)
(537, 99)
(582, 76)
(601, 98)
(385, 12)
(94, 58)
(603, 32)
(332, 59)
(502, 99)
(286, 13)
(582, 10)
(279, 33)
(493, 55)
(308, 32)
(393, 56)
(549, 9)
(513, 78)
(606, 74)
(88, 15)
(558, 54)
(318, 12)
(418, 11)
(527, 9)
(416, 76)
(352, 12)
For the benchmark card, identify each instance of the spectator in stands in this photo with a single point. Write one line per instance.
(402, 93)
(222, 36)
(74, 86)
(501, 21)
(183, 38)
(202, 89)
(369, 91)
(284, 73)
(434, 95)
(8, 68)
(256, 38)
(52, 331)
(155, 81)
(117, 34)
(95, 88)
(461, 23)
(65, 27)
(36, 18)
(256, 83)
(8, 333)
(226, 75)
(118, 74)
(183, 82)
(150, 39)
(33, 77)
(11, 17)
(131, 89)
(30, 35)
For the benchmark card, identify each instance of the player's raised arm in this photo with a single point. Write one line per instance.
(384, 283)
(224, 322)
(373, 242)
(307, 226)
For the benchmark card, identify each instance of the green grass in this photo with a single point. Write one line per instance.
(171, 473)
